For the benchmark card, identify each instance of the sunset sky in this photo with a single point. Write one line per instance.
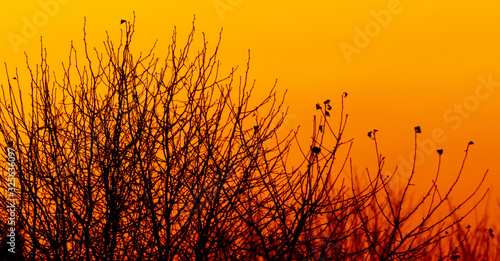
(405, 63)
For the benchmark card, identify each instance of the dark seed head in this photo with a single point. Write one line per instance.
(440, 152)
(417, 129)
(316, 150)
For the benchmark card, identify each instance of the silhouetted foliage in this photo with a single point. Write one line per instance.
(134, 158)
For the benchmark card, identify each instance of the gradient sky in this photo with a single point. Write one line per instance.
(404, 63)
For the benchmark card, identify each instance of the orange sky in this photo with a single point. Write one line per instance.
(403, 63)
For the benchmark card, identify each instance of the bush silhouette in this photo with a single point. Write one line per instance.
(135, 158)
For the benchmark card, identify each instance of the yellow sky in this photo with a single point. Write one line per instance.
(404, 63)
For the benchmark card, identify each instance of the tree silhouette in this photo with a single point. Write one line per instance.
(125, 158)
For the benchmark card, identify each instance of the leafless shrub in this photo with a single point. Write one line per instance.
(124, 158)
